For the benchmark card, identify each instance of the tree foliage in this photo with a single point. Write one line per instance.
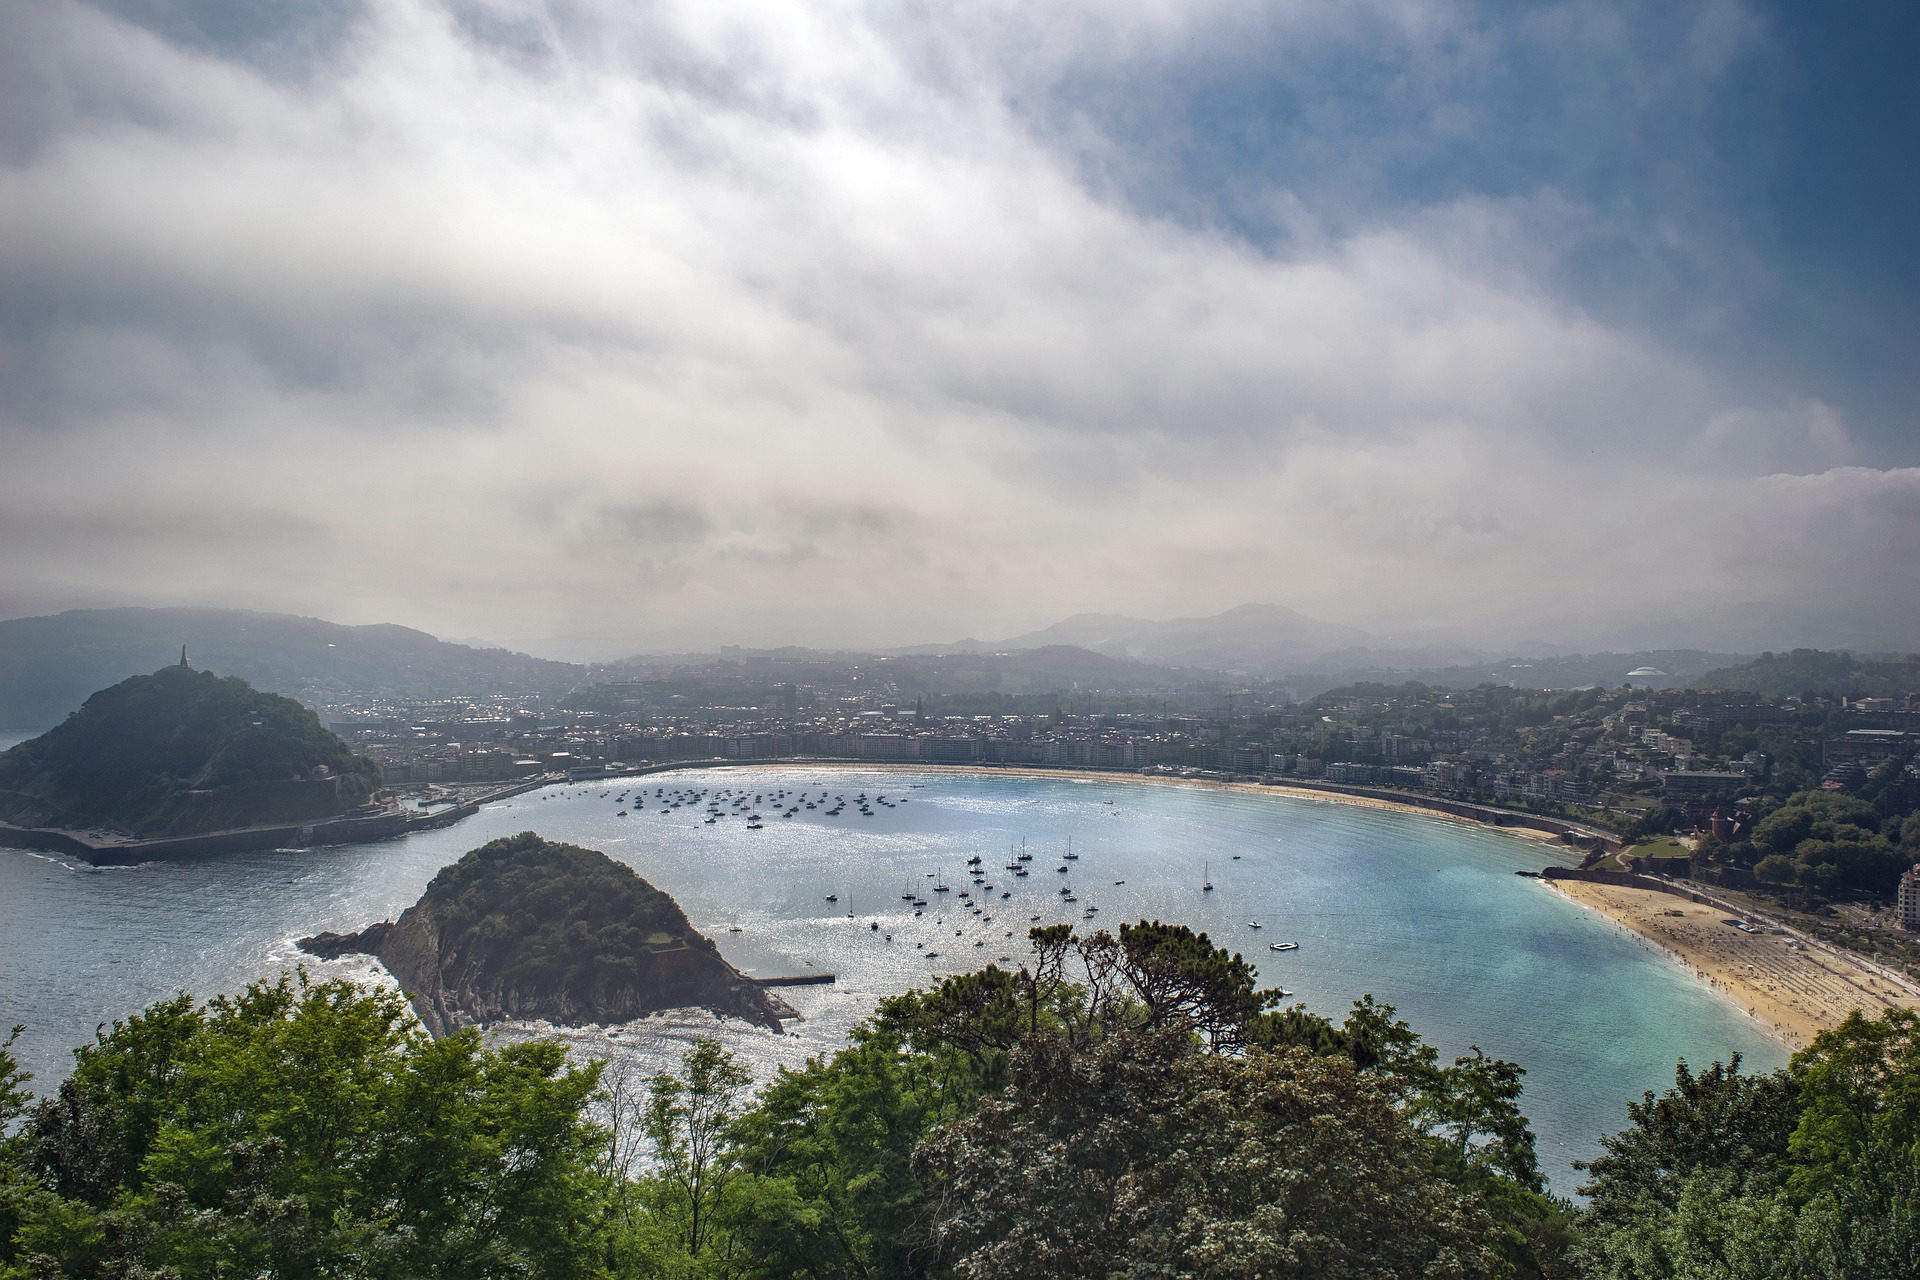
(1812, 1173)
(305, 1129)
(1125, 1104)
(182, 751)
(1830, 842)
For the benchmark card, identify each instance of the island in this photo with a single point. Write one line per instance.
(182, 753)
(525, 928)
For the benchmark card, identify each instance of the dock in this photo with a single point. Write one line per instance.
(803, 980)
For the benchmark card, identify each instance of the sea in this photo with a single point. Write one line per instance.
(1423, 913)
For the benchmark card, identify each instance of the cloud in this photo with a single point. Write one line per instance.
(800, 323)
(1804, 437)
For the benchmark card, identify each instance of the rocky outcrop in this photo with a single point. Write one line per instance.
(331, 946)
(526, 928)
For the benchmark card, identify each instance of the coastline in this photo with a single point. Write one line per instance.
(1792, 990)
(1292, 790)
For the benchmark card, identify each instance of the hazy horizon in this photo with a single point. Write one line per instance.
(875, 325)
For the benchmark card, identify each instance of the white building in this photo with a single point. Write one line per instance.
(1910, 900)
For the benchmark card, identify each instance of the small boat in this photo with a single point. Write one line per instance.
(875, 926)
(1283, 946)
(833, 897)
(974, 861)
(1253, 924)
(735, 929)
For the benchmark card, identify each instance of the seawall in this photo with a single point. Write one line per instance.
(344, 830)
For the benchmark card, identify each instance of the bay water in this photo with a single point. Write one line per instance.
(1423, 913)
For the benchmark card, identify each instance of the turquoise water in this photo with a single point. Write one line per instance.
(1423, 913)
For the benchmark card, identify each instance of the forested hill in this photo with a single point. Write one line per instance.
(1818, 671)
(527, 928)
(180, 752)
(48, 665)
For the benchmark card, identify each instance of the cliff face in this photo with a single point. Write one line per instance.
(525, 928)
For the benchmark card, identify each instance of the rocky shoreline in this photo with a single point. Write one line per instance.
(526, 929)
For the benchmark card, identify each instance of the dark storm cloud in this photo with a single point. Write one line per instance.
(783, 322)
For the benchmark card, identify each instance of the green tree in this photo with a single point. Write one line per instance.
(302, 1129)
(1144, 1156)
(1812, 1173)
(687, 1122)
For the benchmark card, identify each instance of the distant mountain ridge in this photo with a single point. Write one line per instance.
(49, 665)
(1264, 639)
(908, 674)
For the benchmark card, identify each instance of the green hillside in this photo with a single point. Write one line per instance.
(526, 928)
(179, 752)
(1820, 672)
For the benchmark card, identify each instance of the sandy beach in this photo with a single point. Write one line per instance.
(1792, 990)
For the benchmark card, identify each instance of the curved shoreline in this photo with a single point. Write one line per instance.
(1809, 991)
(1298, 791)
(1791, 989)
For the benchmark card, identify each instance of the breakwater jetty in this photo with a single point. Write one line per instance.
(101, 849)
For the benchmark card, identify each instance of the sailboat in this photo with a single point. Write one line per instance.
(1206, 879)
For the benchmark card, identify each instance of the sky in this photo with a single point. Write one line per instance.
(593, 326)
